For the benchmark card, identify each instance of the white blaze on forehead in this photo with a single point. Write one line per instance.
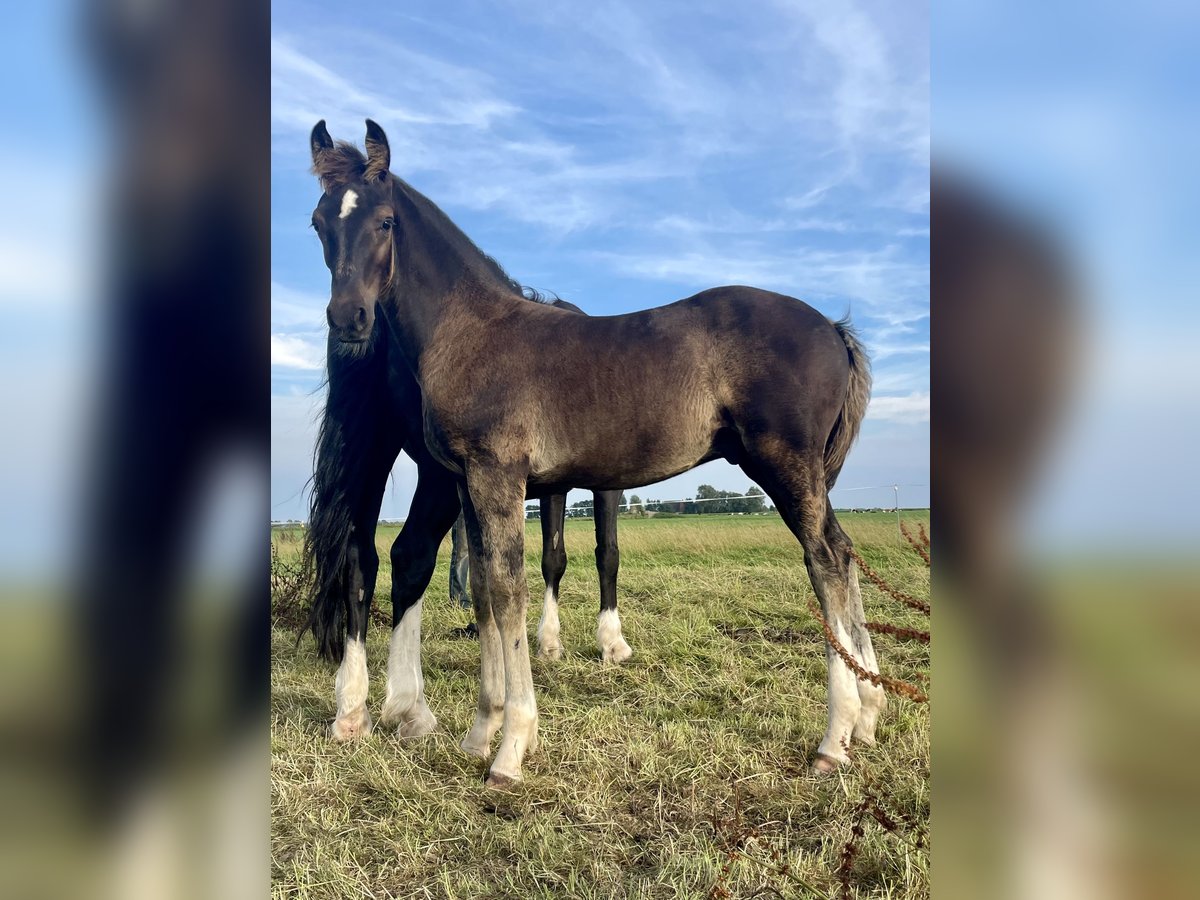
(349, 201)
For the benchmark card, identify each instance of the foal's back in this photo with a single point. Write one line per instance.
(632, 399)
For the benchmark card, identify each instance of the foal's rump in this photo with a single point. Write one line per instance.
(784, 373)
(685, 383)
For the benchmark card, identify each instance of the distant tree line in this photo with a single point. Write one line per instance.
(708, 500)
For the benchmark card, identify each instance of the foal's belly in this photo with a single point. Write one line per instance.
(627, 460)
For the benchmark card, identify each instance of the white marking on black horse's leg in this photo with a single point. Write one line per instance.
(871, 696)
(609, 637)
(608, 563)
(549, 642)
(352, 720)
(349, 201)
(554, 564)
(405, 704)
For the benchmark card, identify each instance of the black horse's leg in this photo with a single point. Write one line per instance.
(553, 513)
(362, 564)
(608, 559)
(434, 508)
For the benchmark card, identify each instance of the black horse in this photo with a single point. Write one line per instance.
(372, 413)
(756, 378)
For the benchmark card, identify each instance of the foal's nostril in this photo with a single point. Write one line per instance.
(329, 316)
(360, 318)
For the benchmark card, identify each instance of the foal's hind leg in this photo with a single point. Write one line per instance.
(608, 560)
(554, 563)
(872, 696)
(489, 711)
(795, 481)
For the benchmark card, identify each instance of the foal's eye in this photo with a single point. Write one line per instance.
(386, 224)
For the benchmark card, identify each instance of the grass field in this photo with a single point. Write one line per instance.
(652, 777)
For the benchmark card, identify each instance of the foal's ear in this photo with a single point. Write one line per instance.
(379, 154)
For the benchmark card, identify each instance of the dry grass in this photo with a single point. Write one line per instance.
(680, 773)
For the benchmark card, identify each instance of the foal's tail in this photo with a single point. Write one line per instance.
(845, 429)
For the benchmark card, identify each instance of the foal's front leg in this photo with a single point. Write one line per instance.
(494, 507)
(414, 556)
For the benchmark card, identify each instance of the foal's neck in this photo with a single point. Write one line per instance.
(439, 275)
(416, 310)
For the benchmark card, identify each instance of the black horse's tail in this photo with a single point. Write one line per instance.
(346, 433)
(326, 548)
(845, 429)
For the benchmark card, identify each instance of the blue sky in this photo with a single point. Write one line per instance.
(1085, 116)
(625, 156)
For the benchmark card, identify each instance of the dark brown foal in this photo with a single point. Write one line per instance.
(757, 378)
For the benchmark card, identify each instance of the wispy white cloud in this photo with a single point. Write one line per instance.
(293, 310)
(909, 409)
(729, 221)
(881, 351)
(289, 351)
(901, 335)
(812, 197)
(636, 102)
(481, 149)
(304, 90)
(875, 103)
(56, 205)
(900, 376)
(298, 329)
(882, 279)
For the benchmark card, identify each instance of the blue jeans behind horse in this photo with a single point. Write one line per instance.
(459, 564)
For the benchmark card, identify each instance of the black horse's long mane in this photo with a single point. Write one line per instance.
(349, 427)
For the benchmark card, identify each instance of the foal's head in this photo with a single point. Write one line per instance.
(355, 220)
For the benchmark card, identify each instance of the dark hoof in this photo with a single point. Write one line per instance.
(825, 765)
(470, 631)
(499, 782)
